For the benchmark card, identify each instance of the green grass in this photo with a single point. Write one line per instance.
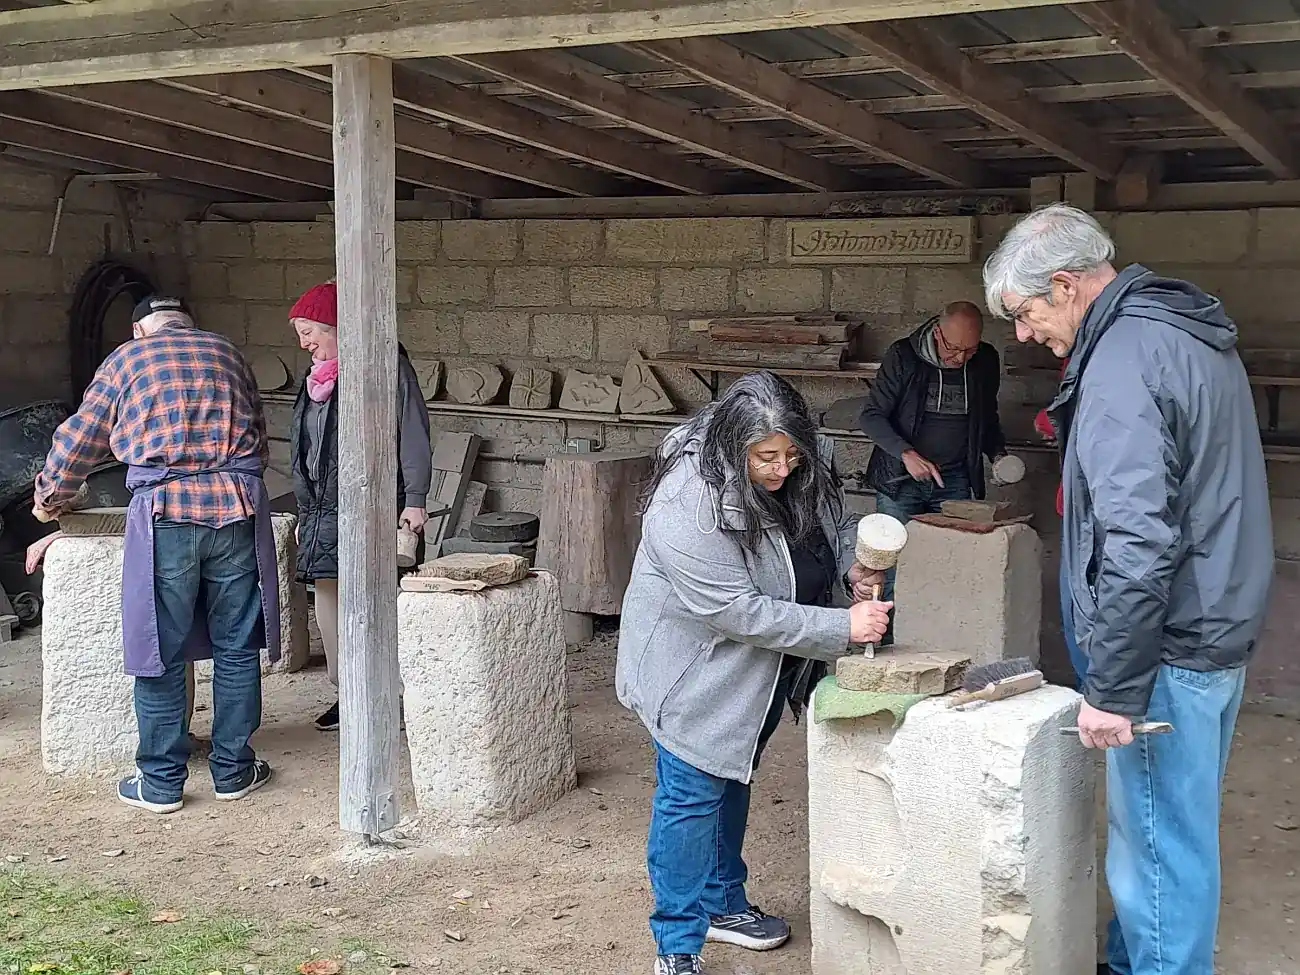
(49, 927)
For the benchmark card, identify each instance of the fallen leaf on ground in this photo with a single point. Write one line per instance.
(43, 966)
(112, 853)
(322, 966)
(167, 917)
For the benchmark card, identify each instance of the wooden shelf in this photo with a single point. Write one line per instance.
(863, 374)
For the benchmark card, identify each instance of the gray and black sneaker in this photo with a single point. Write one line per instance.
(678, 965)
(258, 775)
(750, 929)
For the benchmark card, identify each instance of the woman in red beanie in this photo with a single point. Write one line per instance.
(316, 466)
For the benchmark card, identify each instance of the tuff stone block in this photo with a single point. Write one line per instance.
(294, 241)
(1194, 237)
(485, 701)
(679, 240)
(981, 594)
(868, 289)
(611, 287)
(618, 336)
(417, 240)
(257, 280)
(444, 284)
(495, 333)
(221, 238)
(563, 336)
(963, 842)
(780, 289)
(528, 286)
(901, 670)
(489, 241)
(561, 240)
(695, 289)
(935, 287)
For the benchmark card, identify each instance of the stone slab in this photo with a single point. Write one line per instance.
(531, 388)
(899, 670)
(587, 393)
(486, 705)
(495, 570)
(961, 843)
(93, 521)
(475, 385)
(642, 392)
(981, 594)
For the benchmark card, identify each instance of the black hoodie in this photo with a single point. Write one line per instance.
(1168, 542)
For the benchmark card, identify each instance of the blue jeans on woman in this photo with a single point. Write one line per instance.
(1162, 856)
(215, 568)
(909, 499)
(694, 850)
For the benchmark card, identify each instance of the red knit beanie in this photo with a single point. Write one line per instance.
(318, 304)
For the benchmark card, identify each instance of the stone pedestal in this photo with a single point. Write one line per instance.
(962, 843)
(87, 710)
(981, 594)
(486, 704)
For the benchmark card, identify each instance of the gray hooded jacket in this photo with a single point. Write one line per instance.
(1168, 540)
(705, 622)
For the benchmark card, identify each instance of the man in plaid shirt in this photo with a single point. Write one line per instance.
(180, 407)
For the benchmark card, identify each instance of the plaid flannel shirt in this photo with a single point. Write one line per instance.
(180, 398)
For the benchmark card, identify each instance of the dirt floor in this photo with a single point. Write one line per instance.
(565, 892)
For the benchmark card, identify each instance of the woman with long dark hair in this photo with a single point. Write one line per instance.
(744, 587)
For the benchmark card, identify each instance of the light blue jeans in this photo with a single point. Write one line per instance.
(1162, 857)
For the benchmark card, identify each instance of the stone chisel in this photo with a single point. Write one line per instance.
(869, 649)
(1141, 728)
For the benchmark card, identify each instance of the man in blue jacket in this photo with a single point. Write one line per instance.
(1168, 549)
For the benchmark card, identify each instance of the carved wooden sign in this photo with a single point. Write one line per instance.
(903, 240)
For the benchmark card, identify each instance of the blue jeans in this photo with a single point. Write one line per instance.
(1077, 659)
(216, 568)
(1162, 857)
(912, 498)
(697, 833)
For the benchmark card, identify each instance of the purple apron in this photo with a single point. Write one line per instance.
(141, 657)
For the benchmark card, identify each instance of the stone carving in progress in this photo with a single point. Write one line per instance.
(428, 372)
(475, 385)
(586, 393)
(532, 388)
(641, 391)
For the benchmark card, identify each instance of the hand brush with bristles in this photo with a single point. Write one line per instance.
(997, 681)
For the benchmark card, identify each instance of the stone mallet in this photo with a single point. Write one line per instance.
(881, 538)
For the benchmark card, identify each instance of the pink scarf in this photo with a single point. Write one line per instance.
(321, 380)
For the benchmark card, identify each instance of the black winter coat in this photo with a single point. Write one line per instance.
(315, 457)
(896, 408)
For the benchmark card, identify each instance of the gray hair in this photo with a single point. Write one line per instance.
(1054, 238)
(756, 406)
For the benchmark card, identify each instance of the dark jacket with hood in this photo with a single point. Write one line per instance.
(314, 452)
(1168, 543)
(895, 408)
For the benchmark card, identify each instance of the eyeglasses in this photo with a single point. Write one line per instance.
(950, 349)
(767, 466)
(1020, 309)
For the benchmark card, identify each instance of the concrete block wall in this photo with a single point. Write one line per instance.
(36, 287)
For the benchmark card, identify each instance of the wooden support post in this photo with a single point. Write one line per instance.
(364, 231)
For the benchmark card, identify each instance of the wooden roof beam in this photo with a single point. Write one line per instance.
(31, 136)
(128, 40)
(553, 77)
(1151, 39)
(755, 80)
(917, 50)
(281, 95)
(441, 99)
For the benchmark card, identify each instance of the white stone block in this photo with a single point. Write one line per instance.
(486, 703)
(87, 708)
(962, 843)
(981, 594)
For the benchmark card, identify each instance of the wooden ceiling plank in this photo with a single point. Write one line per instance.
(548, 75)
(1142, 30)
(133, 159)
(918, 51)
(804, 103)
(419, 144)
(127, 40)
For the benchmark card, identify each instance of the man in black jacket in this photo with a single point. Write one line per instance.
(933, 415)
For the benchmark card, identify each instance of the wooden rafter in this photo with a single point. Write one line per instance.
(755, 80)
(917, 50)
(418, 92)
(127, 40)
(130, 158)
(62, 115)
(552, 76)
(1142, 30)
(1088, 46)
(280, 95)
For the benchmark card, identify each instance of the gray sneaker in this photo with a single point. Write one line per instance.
(258, 776)
(678, 965)
(750, 929)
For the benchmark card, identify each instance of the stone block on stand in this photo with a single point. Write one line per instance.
(87, 706)
(963, 842)
(486, 702)
(981, 594)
